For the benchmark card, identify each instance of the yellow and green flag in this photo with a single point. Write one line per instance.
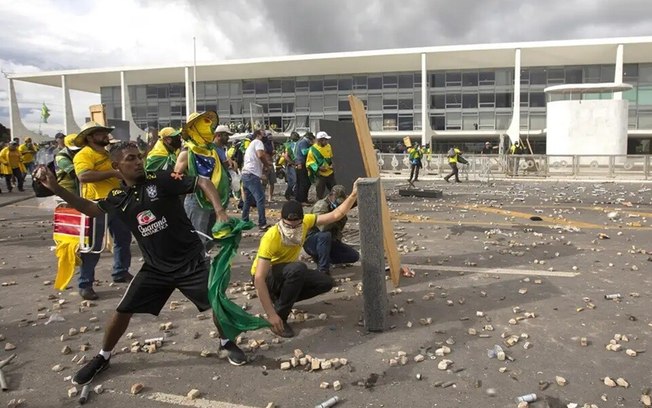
(45, 113)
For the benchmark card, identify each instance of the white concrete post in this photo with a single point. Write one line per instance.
(124, 94)
(69, 123)
(425, 117)
(189, 95)
(514, 130)
(618, 76)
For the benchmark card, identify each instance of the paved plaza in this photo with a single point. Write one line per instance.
(524, 265)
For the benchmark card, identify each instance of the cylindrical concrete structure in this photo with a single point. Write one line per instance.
(587, 127)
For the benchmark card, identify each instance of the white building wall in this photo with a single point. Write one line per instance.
(587, 127)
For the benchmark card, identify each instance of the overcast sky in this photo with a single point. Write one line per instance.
(42, 35)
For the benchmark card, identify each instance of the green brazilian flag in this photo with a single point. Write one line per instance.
(232, 319)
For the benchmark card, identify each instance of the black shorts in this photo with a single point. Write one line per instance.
(150, 289)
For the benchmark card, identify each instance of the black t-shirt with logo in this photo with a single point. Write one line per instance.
(154, 213)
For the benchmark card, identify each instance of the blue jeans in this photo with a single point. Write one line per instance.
(121, 252)
(291, 178)
(253, 187)
(201, 219)
(325, 250)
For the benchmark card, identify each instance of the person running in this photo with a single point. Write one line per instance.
(279, 278)
(174, 256)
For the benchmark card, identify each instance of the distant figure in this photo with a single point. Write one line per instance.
(514, 150)
(415, 154)
(28, 153)
(300, 156)
(319, 162)
(454, 155)
(487, 149)
(11, 165)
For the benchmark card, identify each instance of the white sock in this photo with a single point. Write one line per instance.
(105, 354)
(224, 341)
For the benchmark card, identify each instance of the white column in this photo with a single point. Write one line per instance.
(514, 130)
(425, 117)
(12, 109)
(189, 94)
(69, 123)
(124, 94)
(618, 76)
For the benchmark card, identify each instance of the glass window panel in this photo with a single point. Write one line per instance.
(470, 79)
(525, 77)
(524, 120)
(503, 120)
(274, 85)
(487, 100)
(630, 70)
(503, 99)
(343, 105)
(302, 102)
(487, 120)
(152, 90)
(376, 123)
(537, 100)
(487, 78)
(406, 81)
(453, 78)
(287, 85)
(302, 85)
(375, 82)
(375, 103)
(470, 122)
(438, 122)
(645, 119)
(644, 95)
(405, 122)
(316, 85)
(211, 90)
(222, 89)
(537, 121)
(645, 73)
(360, 82)
(248, 87)
(406, 103)
(390, 81)
(261, 86)
(390, 104)
(504, 77)
(235, 88)
(346, 118)
(177, 90)
(592, 74)
(117, 112)
(632, 119)
(276, 107)
(573, 75)
(162, 91)
(556, 75)
(223, 106)
(390, 121)
(236, 107)
(106, 95)
(607, 73)
(288, 107)
(345, 84)
(525, 99)
(453, 100)
(438, 80)
(453, 120)
(316, 104)
(630, 96)
(330, 84)
(470, 100)
(330, 101)
(538, 76)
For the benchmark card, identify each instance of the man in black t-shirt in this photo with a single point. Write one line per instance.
(148, 203)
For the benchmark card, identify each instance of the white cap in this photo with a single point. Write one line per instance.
(322, 135)
(223, 129)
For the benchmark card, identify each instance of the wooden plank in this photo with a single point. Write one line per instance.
(371, 167)
(98, 114)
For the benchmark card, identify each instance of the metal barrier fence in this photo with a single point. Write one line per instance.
(486, 167)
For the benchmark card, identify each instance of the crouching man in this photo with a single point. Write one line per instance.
(279, 278)
(324, 242)
(148, 203)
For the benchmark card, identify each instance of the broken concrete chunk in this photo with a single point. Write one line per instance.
(315, 364)
(561, 381)
(72, 331)
(609, 382)
(66, 350)
(337, 385)
(646, 400)
(137, 388)
(58, 368)
(298, 353)
(98, 389)
(193, 394)
(419, 358)
(324, 385)
(621, 382)
(72, 392)
(584, 342)
(326, 365)
(444, 364)
(393, 362)
(631, 353)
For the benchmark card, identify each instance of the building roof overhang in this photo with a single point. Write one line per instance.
(476, 56)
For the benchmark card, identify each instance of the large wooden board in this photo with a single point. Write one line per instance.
(98, 114)
(371, 169)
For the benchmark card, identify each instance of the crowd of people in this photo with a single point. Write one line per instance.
(138, 194)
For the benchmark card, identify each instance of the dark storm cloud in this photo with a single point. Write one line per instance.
(344, 25)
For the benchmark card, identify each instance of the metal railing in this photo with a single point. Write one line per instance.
(486, 167)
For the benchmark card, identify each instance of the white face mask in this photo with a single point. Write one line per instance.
(290, 236)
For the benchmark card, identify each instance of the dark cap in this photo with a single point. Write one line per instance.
(309, 135)
(292, 211)
(59, 136)
(339, 191)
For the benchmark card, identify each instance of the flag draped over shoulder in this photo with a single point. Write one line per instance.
(232, 318)
(318, 157)
(45, 113)
(203, 161)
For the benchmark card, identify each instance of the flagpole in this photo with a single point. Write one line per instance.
(194, 73)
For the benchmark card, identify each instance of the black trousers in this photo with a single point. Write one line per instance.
(324, 183)
(303, 185)
(291, 282)
(20, 177)
(414, 172)
(454, 172)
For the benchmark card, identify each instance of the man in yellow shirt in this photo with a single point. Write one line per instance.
(28, 153)
(97, 178)
(163, 155)
(11, 165)
(279, 278)
(319, 163)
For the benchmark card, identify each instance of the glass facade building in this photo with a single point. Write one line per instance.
(458, 100)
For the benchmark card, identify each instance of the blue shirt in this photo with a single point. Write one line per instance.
(301, 150)
(221, 153)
